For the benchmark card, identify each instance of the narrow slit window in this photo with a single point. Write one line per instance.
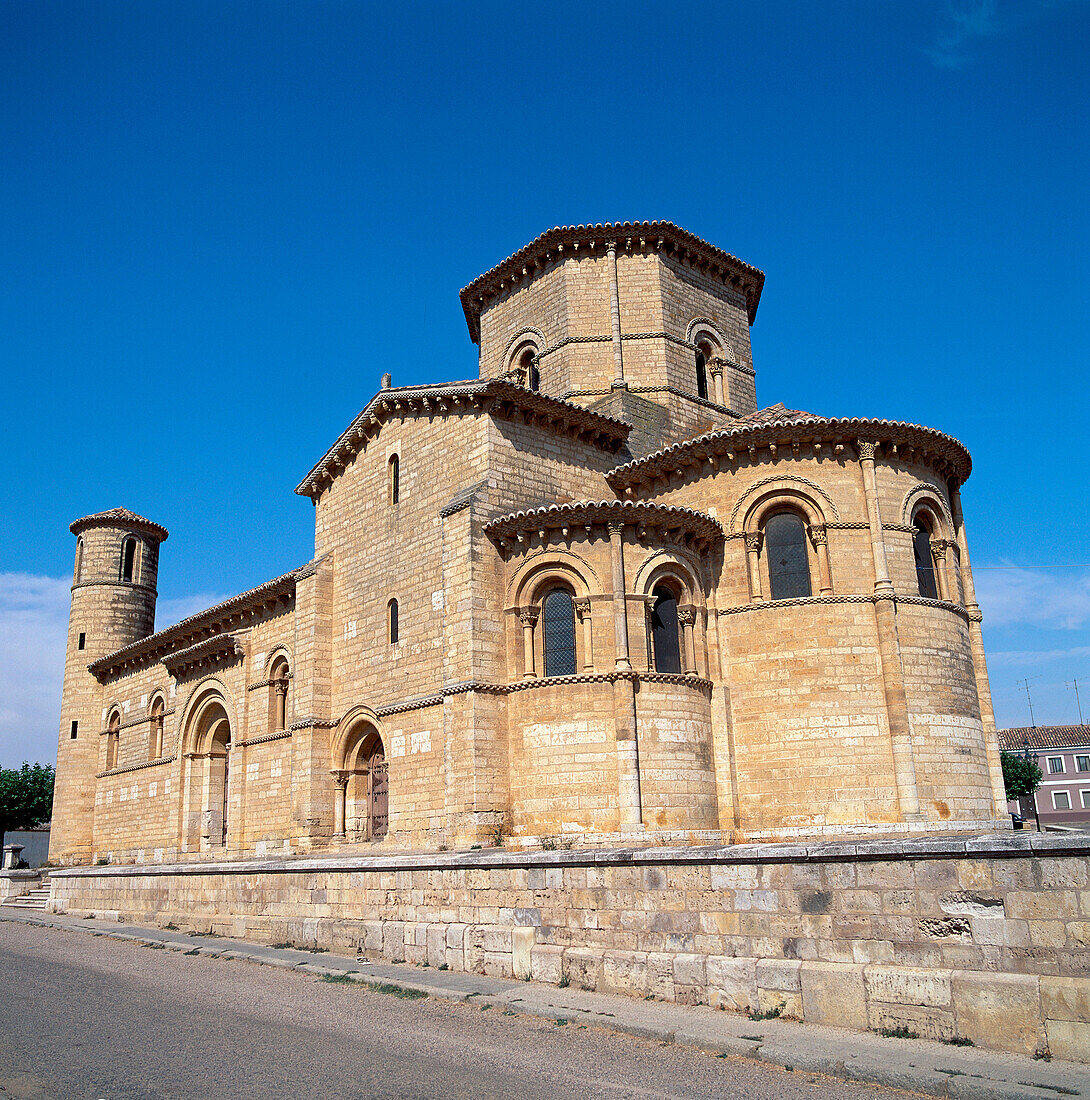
(392, 621)
(82, 641)
(701, 375)
(128, 559)
(664, 631)
(395, 479)
(788, 560)
(558, 625)
(925, 565)
(79, 559)
(75, 730)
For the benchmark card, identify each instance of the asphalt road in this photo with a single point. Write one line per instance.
(87, 1017)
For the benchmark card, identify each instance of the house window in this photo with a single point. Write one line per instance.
(75, 730)
(1055, 765)
(81, 642)
(128, 559)
(925, 565)
(391, 622)
(1085, 799)
(701, 375)
(155, 733)
(788, 561)
(394, 478)
(1082, 763)
(665, 638)
(558, 633)
(1061, 800)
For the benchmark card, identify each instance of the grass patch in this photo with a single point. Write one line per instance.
(753, 1038)
(154, 946)
(959, 1041)
(443, 966)
(1043, 1054)
(195, 951)
(722, 1054)
(398, 991)
(338, 979)
(171, 927)
(561, 1023)
(509, 1012)
(771, 1014)
(897, 1032)
(564, 982)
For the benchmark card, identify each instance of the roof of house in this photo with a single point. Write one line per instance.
(1044, 737)
(777, 425)
(630, 236)
(119, 517)
(498, 397)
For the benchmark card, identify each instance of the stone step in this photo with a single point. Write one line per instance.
(33, 899)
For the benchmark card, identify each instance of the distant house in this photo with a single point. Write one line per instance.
(1063, 755)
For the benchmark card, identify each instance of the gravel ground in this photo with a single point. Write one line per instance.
(89, 1017)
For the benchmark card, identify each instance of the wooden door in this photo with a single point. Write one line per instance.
(378, 808)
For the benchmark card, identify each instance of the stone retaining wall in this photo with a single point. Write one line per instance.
(985, 939)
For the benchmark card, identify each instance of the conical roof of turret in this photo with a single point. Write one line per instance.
(120, 517)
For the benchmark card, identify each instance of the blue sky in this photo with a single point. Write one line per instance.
(222, 222)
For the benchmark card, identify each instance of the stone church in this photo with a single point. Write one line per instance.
(594, 595)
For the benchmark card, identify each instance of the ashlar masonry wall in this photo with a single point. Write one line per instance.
(985, 939)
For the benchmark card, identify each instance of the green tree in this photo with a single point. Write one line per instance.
(26, 797)
(1021, 776)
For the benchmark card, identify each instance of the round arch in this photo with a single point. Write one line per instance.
(360, 776)
(552, 566)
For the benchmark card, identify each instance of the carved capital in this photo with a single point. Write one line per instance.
(686, 615)
(340, 778)
(938, 549)
(611, 246)
(615, 529)
(753, 541)
(582, 608)
(818, 534)
(715, 367)
(866, 450)
(528, 616)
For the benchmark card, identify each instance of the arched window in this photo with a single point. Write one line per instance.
(665, 636)
(79, 559)
(391, 622)
(701, 375)
(558, 633)
(113, 740)
(394, 479)
(925, 565)
(278, 694)
(128, 559)
(524, 364)
(788, 561)
(155, 733)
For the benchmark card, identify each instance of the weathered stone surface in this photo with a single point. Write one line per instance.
(904, 986)
(732, 983)
(1000, 1011)
(833, 994)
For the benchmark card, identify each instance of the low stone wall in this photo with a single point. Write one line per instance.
(984, 939)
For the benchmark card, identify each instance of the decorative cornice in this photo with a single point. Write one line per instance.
(734, 444)
(276, 735)
(677, 524)
(123, 520)
(639, 237)
(311, 722)
(232, 613)
(410, 704)
(496, 397)
(137, 767)
(809, 601)
(220, 649)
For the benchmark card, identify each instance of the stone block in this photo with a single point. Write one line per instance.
(834, 994)
(436, 945)
(732, 983)
(393, 940)
(1065, 998)
(907, 986)
(455, 936)
(787, 1005)
(660, 975)
(624, 972)
(925, 1021)
(999, 1011)
(1068, 1039)
(583, 966)
(689, 970)
(522, 944)
(496, 965)
(547, 963)
(371, 935)
(497, 940)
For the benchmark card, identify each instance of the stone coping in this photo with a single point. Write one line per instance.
(996, 845)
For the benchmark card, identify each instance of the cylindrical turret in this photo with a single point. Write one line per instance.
(113, 604)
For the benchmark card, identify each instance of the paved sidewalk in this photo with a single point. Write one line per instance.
(935, 1069)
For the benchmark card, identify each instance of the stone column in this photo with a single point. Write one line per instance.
(686, 617)
(582, 613)
(938, 563)
(889, 655)
(340, 797)
(528, 618)
(715, 369)
(620, 603)
(281, 704)
(615, 316)
(753, 549)
(819, 538)
(980, 666)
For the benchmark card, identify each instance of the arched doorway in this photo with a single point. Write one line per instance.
(207, 824)
(361, 786)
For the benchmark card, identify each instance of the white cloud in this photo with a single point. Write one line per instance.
(33, 637)
(1055, 599)
(1021, 658)
(967, 22)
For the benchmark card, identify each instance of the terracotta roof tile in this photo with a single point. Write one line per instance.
(1044, 737)
(118, 517)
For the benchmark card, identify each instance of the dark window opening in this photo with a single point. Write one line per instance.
(788, 562)
(128, 559)
(75, 730)
(664, 631)
(393, 623)
(558, 626)
(533, 376)
(701, 375)
(925, 566)
(82, 642)
(395, 479)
